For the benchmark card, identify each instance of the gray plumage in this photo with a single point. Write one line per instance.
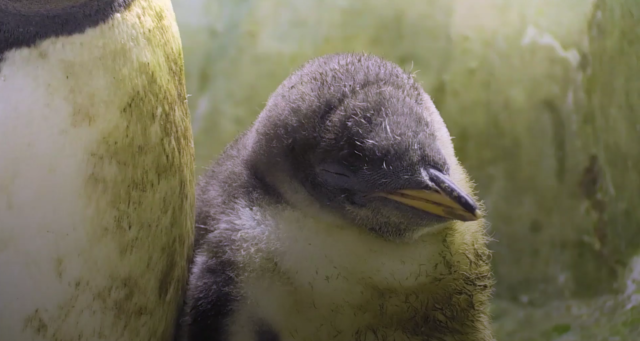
(301, 229)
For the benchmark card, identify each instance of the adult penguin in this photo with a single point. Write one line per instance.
(96, 170)
(341, 214)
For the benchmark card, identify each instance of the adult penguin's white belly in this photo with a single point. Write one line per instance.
(96, 174)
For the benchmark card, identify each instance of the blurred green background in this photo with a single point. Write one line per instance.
(542, 97)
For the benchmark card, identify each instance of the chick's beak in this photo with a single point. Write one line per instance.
(445, 199)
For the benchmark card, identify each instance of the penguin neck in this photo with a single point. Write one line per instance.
(311, 245)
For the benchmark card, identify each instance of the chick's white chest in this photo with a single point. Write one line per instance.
(335, 282)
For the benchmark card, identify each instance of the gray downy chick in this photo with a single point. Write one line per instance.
(341, 214)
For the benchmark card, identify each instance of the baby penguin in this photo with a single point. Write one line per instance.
(341, 214)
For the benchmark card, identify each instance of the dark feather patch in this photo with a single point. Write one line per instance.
(210, 301)
(26, 27)
(264, 332)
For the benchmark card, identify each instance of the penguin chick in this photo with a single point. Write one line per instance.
(341, 214)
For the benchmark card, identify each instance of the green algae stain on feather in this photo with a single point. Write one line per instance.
(144, 166)
(139, 183)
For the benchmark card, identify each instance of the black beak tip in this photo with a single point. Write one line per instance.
(454, 192)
